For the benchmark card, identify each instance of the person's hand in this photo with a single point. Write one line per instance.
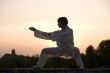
(32, 28)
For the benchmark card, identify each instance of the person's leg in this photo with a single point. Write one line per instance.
(47, 53)
(76, 55)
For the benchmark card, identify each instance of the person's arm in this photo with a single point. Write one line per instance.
(56, 36)
(61, 35)
(41, 34)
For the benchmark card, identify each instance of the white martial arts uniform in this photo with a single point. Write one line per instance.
(64, 39)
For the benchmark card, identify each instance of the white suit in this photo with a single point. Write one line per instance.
(64, 39)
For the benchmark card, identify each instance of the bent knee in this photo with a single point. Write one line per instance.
(45, 50)
(76, 49)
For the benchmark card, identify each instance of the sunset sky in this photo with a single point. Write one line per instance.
(89, 19)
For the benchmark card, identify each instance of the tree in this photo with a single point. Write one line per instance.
(17, 61)
(58, 62)
(104, 53)
(91, 57)
(13, 52)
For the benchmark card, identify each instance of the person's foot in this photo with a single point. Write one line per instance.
(81, 67)
(36, 67)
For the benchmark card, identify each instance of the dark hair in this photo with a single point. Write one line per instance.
(63, 20)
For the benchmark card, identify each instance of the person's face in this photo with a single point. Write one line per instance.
(59, 25)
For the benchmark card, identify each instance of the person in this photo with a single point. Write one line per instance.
(64, 40)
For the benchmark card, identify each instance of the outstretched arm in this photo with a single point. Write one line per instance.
(41, 34)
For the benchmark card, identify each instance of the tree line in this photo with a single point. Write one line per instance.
(93, 58)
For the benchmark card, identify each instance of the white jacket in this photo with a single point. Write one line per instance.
(64, 38)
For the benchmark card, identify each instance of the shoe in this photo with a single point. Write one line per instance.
(36, 67)
(81, 67)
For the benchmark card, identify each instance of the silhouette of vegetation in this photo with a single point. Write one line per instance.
(104, 53)
(93, 58)
(58, 62)
(17, 61)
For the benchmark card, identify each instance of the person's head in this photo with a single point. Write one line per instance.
(62, 22)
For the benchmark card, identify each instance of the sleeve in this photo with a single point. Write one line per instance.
(42, 35)
(61, 36)
(55, 36)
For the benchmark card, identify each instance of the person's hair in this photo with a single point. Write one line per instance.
(63, 20)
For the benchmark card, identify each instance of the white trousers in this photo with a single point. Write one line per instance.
(55, 52)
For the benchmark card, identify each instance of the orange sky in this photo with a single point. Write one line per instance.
(89, 19)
